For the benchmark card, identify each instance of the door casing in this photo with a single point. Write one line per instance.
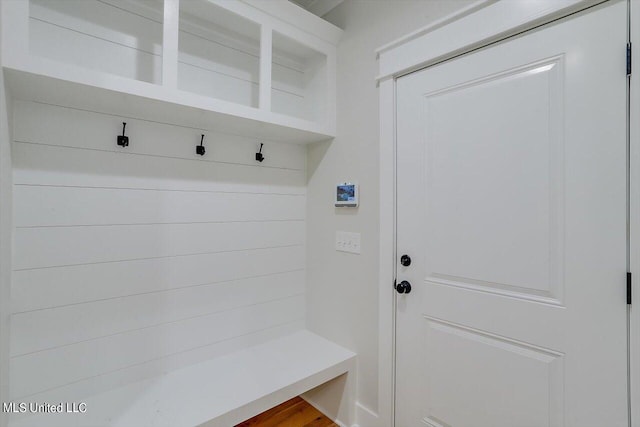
(442, 40)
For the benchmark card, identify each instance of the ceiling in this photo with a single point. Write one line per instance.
(317, 7)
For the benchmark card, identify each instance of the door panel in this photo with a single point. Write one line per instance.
(469, 202)
(511, 189)
(494, 396)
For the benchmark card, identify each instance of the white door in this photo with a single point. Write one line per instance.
(511, 204)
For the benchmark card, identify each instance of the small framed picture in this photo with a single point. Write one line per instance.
(346, 195)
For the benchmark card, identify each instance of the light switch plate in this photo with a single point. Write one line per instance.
(348, 242)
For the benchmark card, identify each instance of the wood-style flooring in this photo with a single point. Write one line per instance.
(292, 413)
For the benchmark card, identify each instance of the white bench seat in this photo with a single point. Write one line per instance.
(220, 392)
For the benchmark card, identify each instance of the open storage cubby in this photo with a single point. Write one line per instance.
(300, 82)
(218, 53)
(121, 37)
(261, 69)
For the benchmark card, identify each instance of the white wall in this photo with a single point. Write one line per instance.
(342, 301)
(129, 262)
(5, 243)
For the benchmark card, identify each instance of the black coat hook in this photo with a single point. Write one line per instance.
(259, 156)
(200, 148)
(123, 140)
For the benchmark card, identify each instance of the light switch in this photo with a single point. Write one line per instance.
(348, 242)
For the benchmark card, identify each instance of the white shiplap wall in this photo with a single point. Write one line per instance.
(131, 261)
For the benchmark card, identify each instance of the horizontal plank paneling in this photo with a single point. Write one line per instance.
(44, 329)
(68, 127)
(58, 286)
(235, 58)
(131, 261)
(288, 80)
(221, 69)
(60, 44)
(112, 20)
(225, 34)
(54, 206)
(54, 368)
(79, 390)
(48, 247)
(216, 57)
(59, 166)
(61, 29)
(288, 98)
(215, 84)
(285, 103)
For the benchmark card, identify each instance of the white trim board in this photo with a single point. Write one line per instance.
(386, 293)
(6, 239)
(479, 4)
(493, 21)
(439, 41)
(635, 217)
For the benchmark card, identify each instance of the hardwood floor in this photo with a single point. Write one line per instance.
(292, 413)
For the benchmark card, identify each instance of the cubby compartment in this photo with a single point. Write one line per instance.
(121, 37)
(262, 69)
(218, 53)
(300, 83)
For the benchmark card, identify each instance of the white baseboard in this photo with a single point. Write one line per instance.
(324, 411)
(365, 417)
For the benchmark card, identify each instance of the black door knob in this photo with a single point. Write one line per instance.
(403, 287)
(405, 260)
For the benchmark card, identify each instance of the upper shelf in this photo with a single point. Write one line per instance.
(256, 68)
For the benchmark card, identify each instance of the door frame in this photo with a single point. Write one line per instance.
(437, 42)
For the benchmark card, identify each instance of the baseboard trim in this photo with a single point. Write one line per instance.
(324, 411)
(365, 417)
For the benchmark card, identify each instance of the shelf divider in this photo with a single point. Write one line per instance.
(15, 30)
(266, 52)
(170, 43)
